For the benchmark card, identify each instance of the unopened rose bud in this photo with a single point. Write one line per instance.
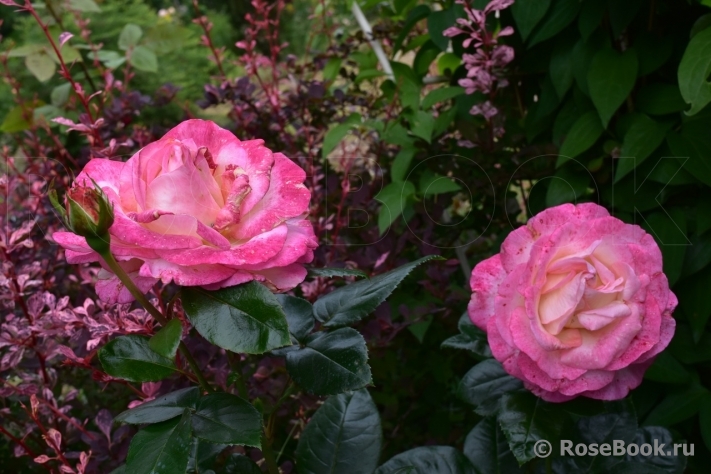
(87, 212)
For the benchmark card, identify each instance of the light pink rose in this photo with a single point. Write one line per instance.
(199, 207)
(575, 304)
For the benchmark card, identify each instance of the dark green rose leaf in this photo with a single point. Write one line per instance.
(488, 450)
(330, 362)
(240, 464)
(471, 338)
(352, 302)
(428, 460)
(678, 406)
(131, 358)
(166, 341)
(161, 448)
(202, 456)
(343, 437)
(526, 419)
(299, 315)
(484, 385)
(162, 408)
(227, 419)
(336, 272)
(245, 318)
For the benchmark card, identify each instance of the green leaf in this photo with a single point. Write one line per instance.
(162, 408)
(417, 14)
(611, 78)
(669, 230)
(667, 369)
(330, 362)
(343, 437)
(705, 421)
(665, 463)
(331, 69)
(20, 118)
(428, 460)
(352, 302)
(590, 17)
(689, 144)
(245, 318)
(488, 450)
(694, 303)
(165, 342)
(484, 385)
(569, 184)
(130, 36)
(422, 125)
(659, 99)
(621, 14)
(678, 406)
(581, 136)
(299, 315)
(394, 197)
(203, 455)
(26, 50)
(643, 137)
(240, 464)
(440, 95)
(426, 54)
(162, 448)
(470, 338)
(439, 21)
(144, 59)
(227, 419)
(560, 15)
(334, 137)
(447, 63)
(46, 113)
(528, 14)
(561, 67)
(41, 66)
(88, 6)
(694, 70)
(432, 184)
(653, 51)
(526, 419)
(60, 94)
(337, 272)
(401, 164)
(131, 358)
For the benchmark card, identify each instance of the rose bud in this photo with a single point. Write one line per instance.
(88, 213)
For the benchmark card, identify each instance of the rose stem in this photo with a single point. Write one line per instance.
(141, 298)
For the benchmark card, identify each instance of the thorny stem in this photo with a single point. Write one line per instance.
(141, 298)
(18, 441)
(201, 20)
(56, 17)
(65, 70)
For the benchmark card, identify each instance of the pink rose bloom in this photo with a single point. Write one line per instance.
(199, 207)
(575, 304)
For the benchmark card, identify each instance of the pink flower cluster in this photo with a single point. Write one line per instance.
(486, 66)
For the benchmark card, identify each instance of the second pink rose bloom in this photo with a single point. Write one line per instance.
(575, 304)
(199, 207)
